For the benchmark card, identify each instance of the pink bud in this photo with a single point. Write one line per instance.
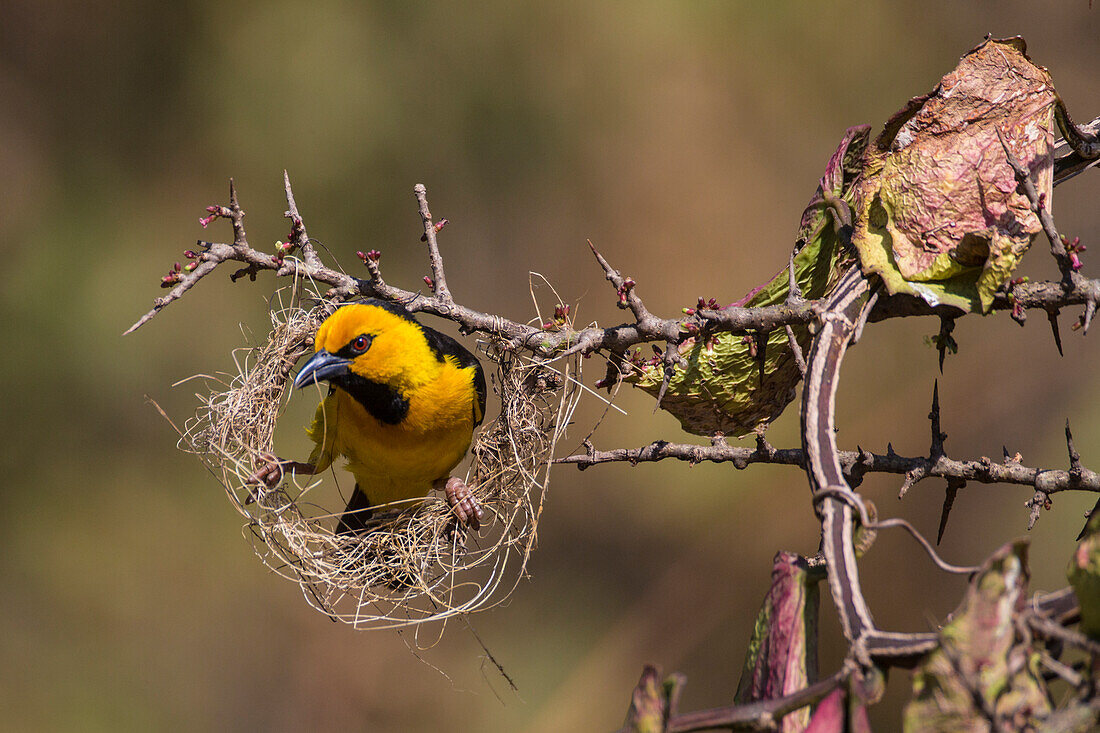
(374, 255)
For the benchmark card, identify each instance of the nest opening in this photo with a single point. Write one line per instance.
(415, 564)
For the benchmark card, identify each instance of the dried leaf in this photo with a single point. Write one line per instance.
(980, 671)
(647, 704)
(782, 656)
(1084, 576)
(830, 716)
(653, 701)
(938, 214)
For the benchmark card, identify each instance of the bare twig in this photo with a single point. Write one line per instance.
(854, 500)
(1078, 149)
(796, 351)
(1066, 673)
(1040, 209)
(982, 470)
(439, 277)
(624, 287)
(1050, 629)
(613, 339)
(298, 235)
(762, 715)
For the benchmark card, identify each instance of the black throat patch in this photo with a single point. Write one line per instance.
(384, 403)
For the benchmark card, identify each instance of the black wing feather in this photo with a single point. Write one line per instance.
(443, 345)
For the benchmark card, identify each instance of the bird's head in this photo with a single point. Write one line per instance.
(371, 339)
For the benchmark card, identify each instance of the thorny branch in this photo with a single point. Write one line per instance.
(855, 464)
(298, 234)
(1050, 297)
(646, 327)
(439, 278)
(762, 715)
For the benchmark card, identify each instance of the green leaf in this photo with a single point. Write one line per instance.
(723, 387)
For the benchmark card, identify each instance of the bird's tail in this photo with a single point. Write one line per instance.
(355, 516)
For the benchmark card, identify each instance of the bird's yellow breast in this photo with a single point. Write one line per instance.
(399, 461)
(403, 405)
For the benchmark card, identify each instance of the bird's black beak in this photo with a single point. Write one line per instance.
(322, 366)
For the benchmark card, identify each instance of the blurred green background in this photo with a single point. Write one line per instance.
(682, 138)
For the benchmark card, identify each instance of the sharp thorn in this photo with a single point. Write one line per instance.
(661, 393)
(909, 482)
(953, 486)
(1074, 456)
(761, 352)
(1052, 316)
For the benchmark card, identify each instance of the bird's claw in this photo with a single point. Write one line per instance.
(464, 503)
(270, 473)
(273, 470)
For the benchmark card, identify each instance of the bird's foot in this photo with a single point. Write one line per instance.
(272, 471)
(462, 500)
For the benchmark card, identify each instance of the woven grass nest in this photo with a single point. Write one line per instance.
(415, 565)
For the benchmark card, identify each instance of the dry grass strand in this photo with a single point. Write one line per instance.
(415, 565)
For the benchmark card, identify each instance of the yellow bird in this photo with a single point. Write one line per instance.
(402, 405)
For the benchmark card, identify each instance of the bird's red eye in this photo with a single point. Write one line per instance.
(360, 344)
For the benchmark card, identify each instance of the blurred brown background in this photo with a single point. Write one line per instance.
(683, 139)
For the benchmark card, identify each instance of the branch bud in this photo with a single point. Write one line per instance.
(438, 227)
